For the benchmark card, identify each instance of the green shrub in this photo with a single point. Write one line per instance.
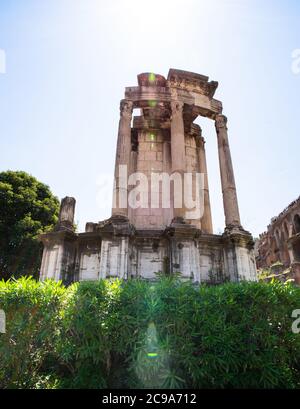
(32, 326)
(139, 334)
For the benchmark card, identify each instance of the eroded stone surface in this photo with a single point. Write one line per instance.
(281, 242)
(139, 242)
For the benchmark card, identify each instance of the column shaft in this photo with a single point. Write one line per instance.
(120, 206)
(206, 220)
(231, 210)
(178, 151)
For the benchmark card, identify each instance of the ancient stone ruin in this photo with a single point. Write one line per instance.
(158, 232)
(280, 244)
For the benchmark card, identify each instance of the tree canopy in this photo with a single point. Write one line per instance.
(27, 208)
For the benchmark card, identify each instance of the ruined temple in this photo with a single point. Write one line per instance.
(281, 242)
(148, 237)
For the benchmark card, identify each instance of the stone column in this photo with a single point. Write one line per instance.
(231, 210)
(167, 212)
(66, 214)
(206, 221)
(178, 151)
(120, 206)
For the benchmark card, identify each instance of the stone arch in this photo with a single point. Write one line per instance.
(286, 229)
(296, 223)
(284, 245)
(273, 246)
(277, 238)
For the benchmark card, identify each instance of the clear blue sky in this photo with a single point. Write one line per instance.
(68, 61)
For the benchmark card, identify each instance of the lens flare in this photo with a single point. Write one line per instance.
(151, 77)
(152, 354)
(152, 103)
(151, 341)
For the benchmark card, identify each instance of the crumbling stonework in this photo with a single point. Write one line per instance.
(140, 241)
(281, 241)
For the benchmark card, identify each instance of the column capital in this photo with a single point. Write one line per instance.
(221, 122)
(126, 108)
(176, 107)
(200, 142)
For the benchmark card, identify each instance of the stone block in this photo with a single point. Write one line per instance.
(141, 155)
(144, 146)
(159, 156)
(190, 151)
(150, 156)
(156, 166)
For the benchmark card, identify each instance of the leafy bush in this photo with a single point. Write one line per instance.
(32, 326)
(27, 209)
(138, 334)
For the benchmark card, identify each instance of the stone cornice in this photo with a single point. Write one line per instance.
(57, 236)
(203, 105)
(116, 225)
(182, 231)
(86, 236)
(192, 82)
(237, 235)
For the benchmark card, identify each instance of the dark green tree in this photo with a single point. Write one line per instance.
(27, 208)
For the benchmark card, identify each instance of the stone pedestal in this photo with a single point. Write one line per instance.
(58, 262)
(184, 253)
(115, 234)
(239, 255)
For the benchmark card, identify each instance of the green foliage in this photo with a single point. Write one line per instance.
(140, 334)
(32, 326)
(27, 208)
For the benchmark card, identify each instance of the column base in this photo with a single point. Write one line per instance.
(235, 228)
(58, 256)
(239, 250)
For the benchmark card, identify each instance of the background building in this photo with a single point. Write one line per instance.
(281, 242)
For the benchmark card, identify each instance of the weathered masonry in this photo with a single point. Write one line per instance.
(281, 241)
(138, 242)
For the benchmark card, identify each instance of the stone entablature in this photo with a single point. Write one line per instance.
(139, 241)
